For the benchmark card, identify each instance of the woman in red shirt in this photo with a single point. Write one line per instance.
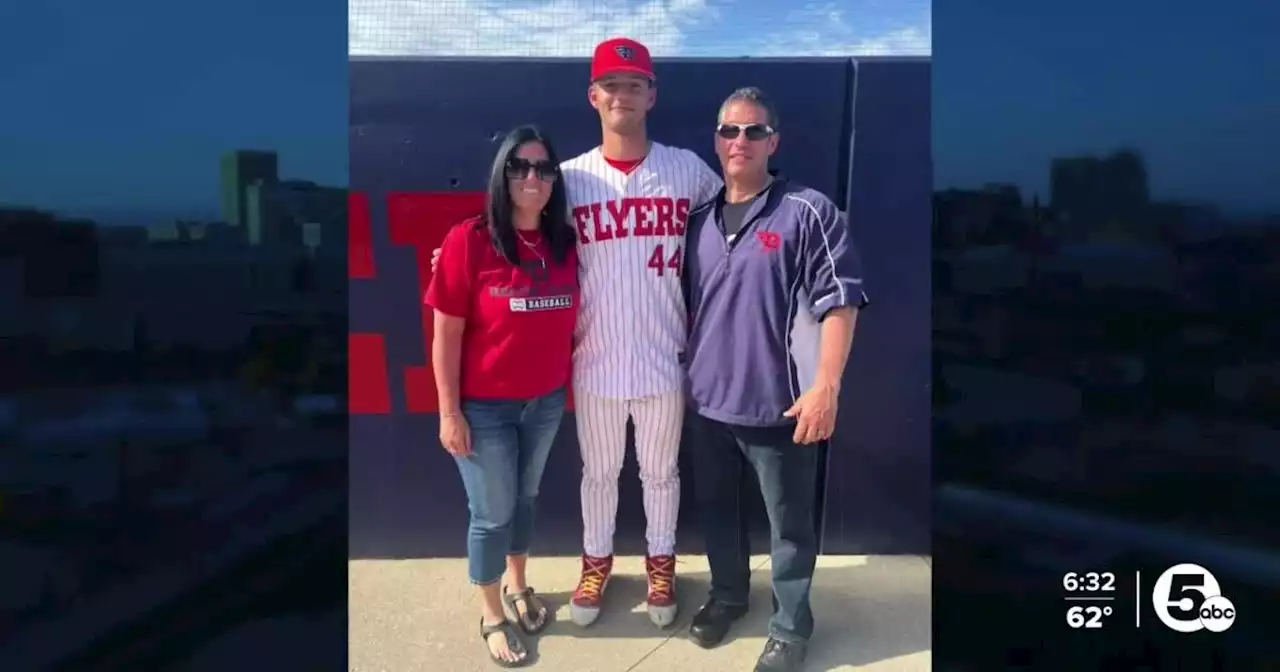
(505, 299)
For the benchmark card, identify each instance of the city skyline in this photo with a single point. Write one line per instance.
(206, 213)
(215, 212)
(1196, 96)
(151, 111)
(282, 86)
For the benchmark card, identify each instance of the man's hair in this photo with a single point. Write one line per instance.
(753, 95)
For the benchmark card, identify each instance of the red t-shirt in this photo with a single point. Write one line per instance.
(518, 342)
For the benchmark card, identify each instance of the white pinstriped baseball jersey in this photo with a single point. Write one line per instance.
(632, 322)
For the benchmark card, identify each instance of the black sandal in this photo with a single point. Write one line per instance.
(514, 643)
(528, 623)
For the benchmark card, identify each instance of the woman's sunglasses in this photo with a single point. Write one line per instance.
(518, 169)
(755, 132)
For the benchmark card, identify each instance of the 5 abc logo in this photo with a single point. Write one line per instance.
(1187, 598)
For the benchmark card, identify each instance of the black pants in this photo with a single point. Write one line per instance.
(787, 474)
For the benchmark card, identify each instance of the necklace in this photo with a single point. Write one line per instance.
(533, 247)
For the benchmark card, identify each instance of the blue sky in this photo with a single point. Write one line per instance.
(667, 27)
(1197, 92)
(128, 105)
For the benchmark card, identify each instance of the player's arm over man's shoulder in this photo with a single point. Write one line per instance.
(707, 181)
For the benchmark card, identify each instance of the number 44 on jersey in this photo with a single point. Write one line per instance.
(659, 262)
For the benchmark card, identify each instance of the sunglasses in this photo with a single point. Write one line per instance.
(755, 132)
(518, 169)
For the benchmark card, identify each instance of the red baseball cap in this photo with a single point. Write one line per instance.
(621, 55)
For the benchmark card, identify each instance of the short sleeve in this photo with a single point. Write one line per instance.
(708, 181)
(450, 288)
(832, 270)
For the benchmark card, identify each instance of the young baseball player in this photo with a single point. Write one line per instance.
(630, 199)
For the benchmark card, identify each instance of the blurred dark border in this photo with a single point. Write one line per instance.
(173, 376)
(1105, 393)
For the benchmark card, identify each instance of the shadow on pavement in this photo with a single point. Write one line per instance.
(869, 610)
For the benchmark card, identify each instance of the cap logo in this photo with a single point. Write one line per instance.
(624, 52)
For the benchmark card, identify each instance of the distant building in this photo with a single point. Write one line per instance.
(122, 236)
(280, 257)
(1091, 194)
(221, 234)
(1106, 265)
(987, 269)
(173, 294)
(1178, 223)
(167, 232)
(240, 169)
(295, 213)
(11, 290)
(196, 232)
(57, 257)
(1230, 272)
(989, 216)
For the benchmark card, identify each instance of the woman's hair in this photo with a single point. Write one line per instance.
(499, 210)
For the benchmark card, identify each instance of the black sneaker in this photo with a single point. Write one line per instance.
(711, 623)
(780, 656)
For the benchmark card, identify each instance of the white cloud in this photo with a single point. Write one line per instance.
(825, 29)
(506, 28)
(910, 41)
(551, 28)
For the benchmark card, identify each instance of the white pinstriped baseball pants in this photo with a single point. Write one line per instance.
(602, 440)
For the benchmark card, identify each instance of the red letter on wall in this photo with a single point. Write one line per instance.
(367, 389)
(360, 264)
(421, 221)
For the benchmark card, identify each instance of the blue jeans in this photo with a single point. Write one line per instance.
(788, 477)
(510, 441)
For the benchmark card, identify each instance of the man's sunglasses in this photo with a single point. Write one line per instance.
(755, 132)
(518, 169)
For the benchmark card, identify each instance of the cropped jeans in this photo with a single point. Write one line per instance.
(510, 441)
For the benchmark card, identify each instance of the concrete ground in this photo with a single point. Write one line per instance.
(873, 613)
